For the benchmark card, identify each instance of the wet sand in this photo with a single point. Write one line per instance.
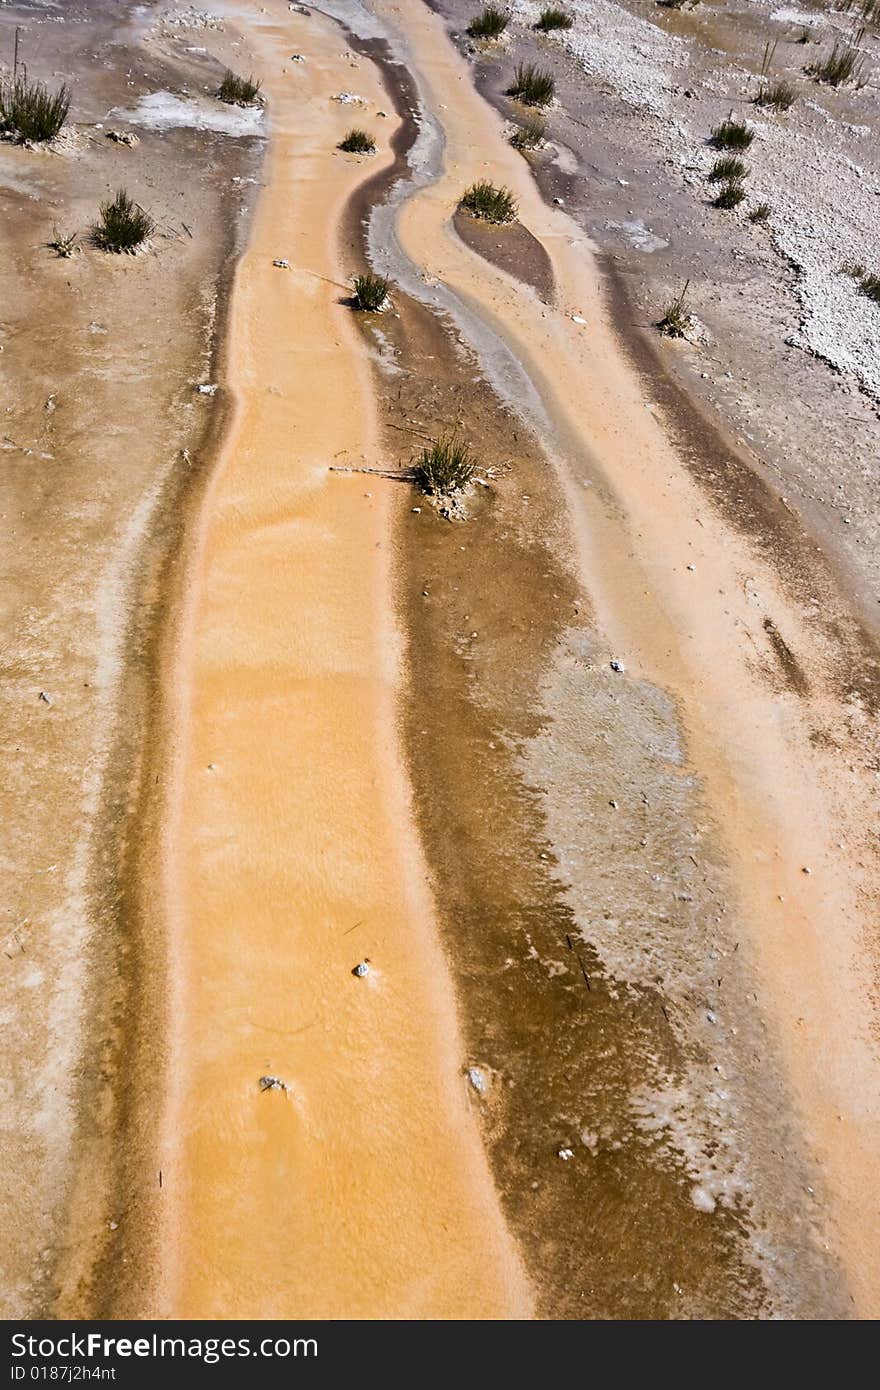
(362, 1191)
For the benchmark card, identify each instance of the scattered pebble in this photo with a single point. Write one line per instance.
(566, 1154)
(361, 969)
(46, 699)
(477, 1079)
(617, 666)
(281, 263)
(207, 389)
(273, 1083)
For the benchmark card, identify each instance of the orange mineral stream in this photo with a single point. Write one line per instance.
(362, 1191)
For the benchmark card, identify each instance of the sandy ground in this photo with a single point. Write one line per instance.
(99, 362)
(363, 1188)
(618, 922)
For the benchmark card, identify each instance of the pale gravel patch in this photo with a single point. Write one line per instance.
(633, 56)
(165, 111)
(826, 207)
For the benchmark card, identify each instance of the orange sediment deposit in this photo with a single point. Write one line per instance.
(358, 1187)
(685, 601)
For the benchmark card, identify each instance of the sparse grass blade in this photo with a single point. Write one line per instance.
(781, 96)
(761, 213)
(238, 91)
(530, 134)
(446, 466)
(553, 18)
(731, 194)
(676, 320)
(727, 166)
(371, 292)
(358, 142)
(732, 135)
(842, 65)
(64, 243)
(870, 285)
(532, 86)
(124, 225)
(491, 204)
(31, 112)
(490, 23)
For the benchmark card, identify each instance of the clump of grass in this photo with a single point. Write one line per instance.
(63, 243)
(488, 202)
(30, 111)
(124, 224)
(842, 65)
(676, 320)
(761, 213)
(530, 134)
(672, 4)
(732, 135)
(371, 292)
(238, 91)
(870, 285)
(731, 194)
(869, 281)
(445, 466)
(553, 18)
(532, 86)
(727, 166)
(780, 95)
(358, 142)
(490, 23)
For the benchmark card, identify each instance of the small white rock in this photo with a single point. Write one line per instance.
(702, 1200)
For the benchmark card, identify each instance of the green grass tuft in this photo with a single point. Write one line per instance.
(124, 225)
(530, 134)
(358, 142)
(676, 320)
(843, 64)
(490, 23)
(732, 135)
(31, 112)
(870, 285)
(779, 95)
(553, 18)
(371, 292)
(491, 204)
(238, 91)
(731, 194)
(532, 86)
(761, 213)
(445, 466)
(727, 166)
